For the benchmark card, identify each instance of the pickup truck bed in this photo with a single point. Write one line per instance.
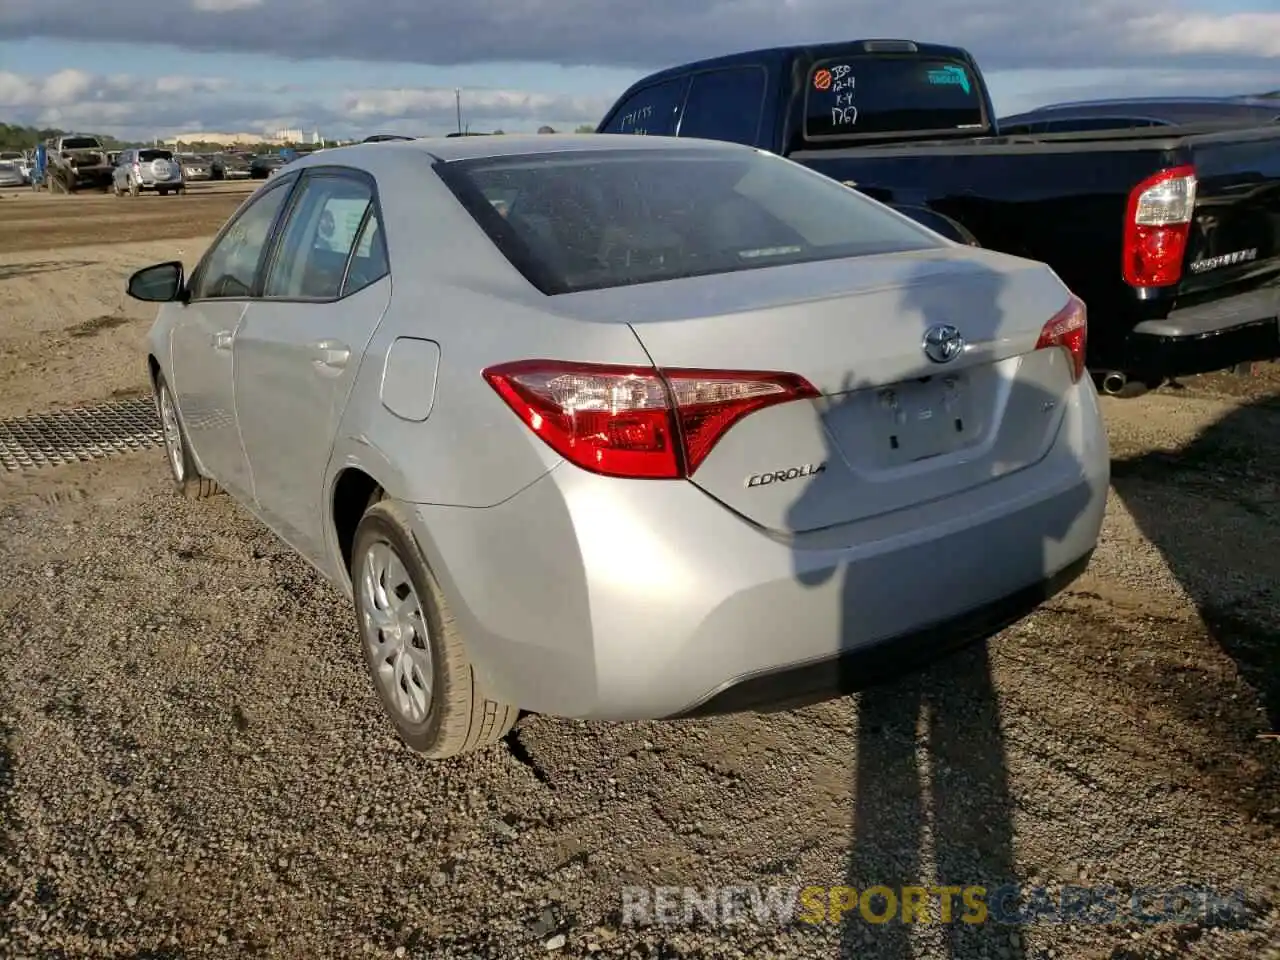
(1063, 199)
(1170, 235)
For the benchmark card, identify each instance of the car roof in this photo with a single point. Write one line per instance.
(449, 149)
(1153, 107)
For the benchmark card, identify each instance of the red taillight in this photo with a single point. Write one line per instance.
(636, 421)
(1069, 330)
(1156, 225)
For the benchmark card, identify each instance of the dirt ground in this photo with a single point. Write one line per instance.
(192, 763)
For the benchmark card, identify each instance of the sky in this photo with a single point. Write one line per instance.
(348, 68)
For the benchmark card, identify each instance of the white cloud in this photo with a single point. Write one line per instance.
(139, 107)
(1003, 34)
(1244, 34)
(1075, 49)
(223, 6)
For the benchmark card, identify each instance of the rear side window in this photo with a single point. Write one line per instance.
(650, 111)
(593, 219)
(725, 105)
(319, 237)
(876, 95)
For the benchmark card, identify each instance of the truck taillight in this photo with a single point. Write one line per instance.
(638, 422)
(1156, 225)
(1068, 329)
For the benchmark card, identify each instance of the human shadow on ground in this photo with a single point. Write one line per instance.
(1212, 509)
(933, 802)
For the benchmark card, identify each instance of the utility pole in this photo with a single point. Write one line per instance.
(457, 100)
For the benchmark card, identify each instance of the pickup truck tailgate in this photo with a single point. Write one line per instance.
(1234, 240)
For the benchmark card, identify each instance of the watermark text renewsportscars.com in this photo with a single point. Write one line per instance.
(1011, 904)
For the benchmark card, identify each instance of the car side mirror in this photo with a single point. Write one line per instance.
(160, 283)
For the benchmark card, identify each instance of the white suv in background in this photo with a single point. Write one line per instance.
(147, 168)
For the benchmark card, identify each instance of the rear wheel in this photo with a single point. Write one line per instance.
(134, 188)
(164, 192)
(412, 647)
(182, 465)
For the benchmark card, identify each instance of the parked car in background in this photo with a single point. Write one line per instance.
(229, 166)
(194, 167)
(11, 173)
(1132, 114)
(1171, 235)
(78, 161)
(684, 432)
(265, 165)
(142, 169)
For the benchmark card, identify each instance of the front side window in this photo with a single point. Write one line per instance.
(590, 219)
(231, 265)
(875, 95)
(318, 238)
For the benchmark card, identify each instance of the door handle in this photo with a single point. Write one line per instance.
(330, 355)
(222, 340)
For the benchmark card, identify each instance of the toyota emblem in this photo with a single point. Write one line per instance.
(943, 343)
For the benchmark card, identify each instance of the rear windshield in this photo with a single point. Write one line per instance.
(145, 155)
(869, 95)
(588, 220)
(80, 143)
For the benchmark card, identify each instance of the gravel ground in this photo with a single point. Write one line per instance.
(192, 761)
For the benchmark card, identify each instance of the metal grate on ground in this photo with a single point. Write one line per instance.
(79, 434)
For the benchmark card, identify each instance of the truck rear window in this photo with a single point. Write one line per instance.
(586, 220)
(861, 95)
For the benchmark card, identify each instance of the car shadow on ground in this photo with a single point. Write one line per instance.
(933, 803)
(1228, 563)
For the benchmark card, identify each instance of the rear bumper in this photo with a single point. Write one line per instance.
(879, 662)
(1211, 337)
(596, 598)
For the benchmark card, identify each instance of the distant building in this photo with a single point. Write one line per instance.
(226, 139)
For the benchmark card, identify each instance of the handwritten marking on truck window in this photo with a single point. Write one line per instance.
(844, 116)
(633, 118)
(822, 80)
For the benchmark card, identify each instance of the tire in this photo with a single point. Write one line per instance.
(182, 465)
(115, 189)
(181, 191)
(454, 717)
(164, 193)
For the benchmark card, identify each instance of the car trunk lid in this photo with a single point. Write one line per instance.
(891, 427)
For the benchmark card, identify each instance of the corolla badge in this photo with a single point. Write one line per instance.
(943, 343)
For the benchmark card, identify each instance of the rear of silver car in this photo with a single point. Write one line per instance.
(155, 170)
(798, 472)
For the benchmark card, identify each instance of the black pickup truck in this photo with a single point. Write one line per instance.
(1171, 236)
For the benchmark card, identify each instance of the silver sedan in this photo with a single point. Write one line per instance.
(629, 427)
